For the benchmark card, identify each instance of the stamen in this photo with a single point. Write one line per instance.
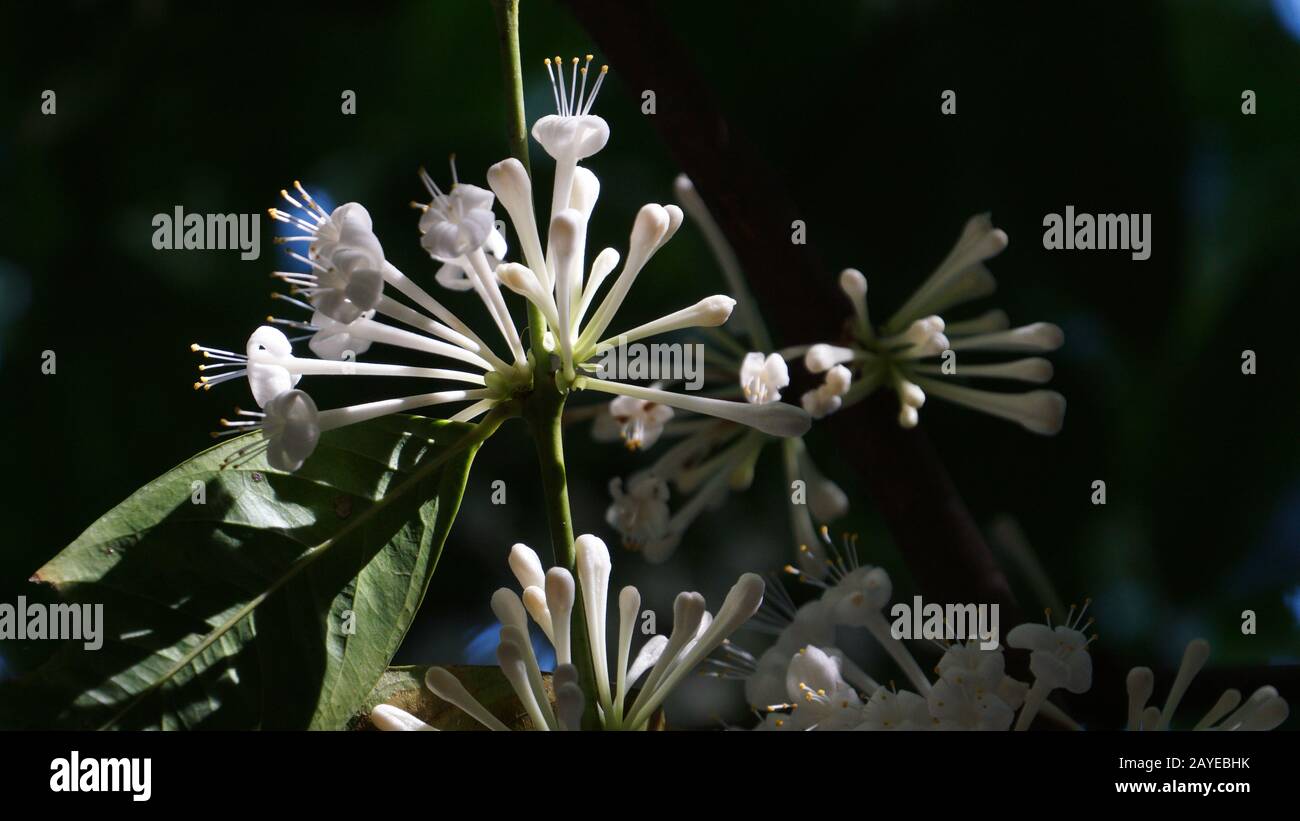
(573, 86)
(434, 190)
(564, 101)
(554, 89)
(292, 323)
(196, 347)
(595, 90)
(582, 92)
(308, 198)
(298, 302)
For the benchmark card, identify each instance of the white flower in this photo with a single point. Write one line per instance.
(819, 697)
(640, 514)
(896, 354)
(557, 279)
(455, 278)
(896, 710)
(269, 381)
(345, 289)
(573, 133)
(549, 600)
(334, 340)
(828, 397)
(1058, 659)
(457, 223)
(1059, 655)
(352, 291)
(1264, 710)
(762, 378)
(640, 421)
(973, 691)
(343, 252)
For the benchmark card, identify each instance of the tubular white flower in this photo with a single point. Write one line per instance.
(333, 340)
(1058, 659)
(709, 312)
(1141, 683)
(456, 223)
(559, 606)
(388, 717)
(894, 354)
(291, 428)
(1264, 710)
(896, 710)
(854, 286)
(1036, 411)
(772, 418)
(822, 357)
(654, 225)
(447, 687)
(594, 567)
(601, 267)
(512, 185)
(348, 226)
(569, 700)
(1035, 338)
(573, 133)
(629, 610)
(694, 636)
(455, 278)
(640, 422)
(268, 381)
(979, 241)
(526, 566)
(762, 378)
(567, 245)
(514, 664)
(343, 252)
(743, 600)
(1035, 370)
(324, 367)
(641, 514)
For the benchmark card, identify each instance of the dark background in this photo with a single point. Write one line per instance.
(1110, 107)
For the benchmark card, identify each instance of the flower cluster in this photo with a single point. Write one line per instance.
(804, 682)
(1264, 710)
(901, 353)
(350, 292)
(712, 457)
(549, 598)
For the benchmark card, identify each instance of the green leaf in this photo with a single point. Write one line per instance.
(277, 602)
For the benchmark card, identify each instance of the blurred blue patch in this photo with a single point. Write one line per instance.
(1129, 610)
(481, 648)
(285, 229)
(1288, 14)
(1292, 601)
(1277, 555)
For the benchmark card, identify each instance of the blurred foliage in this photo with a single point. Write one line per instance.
(1124, 106)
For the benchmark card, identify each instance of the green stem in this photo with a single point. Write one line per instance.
(544, 407)
(507, 16)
